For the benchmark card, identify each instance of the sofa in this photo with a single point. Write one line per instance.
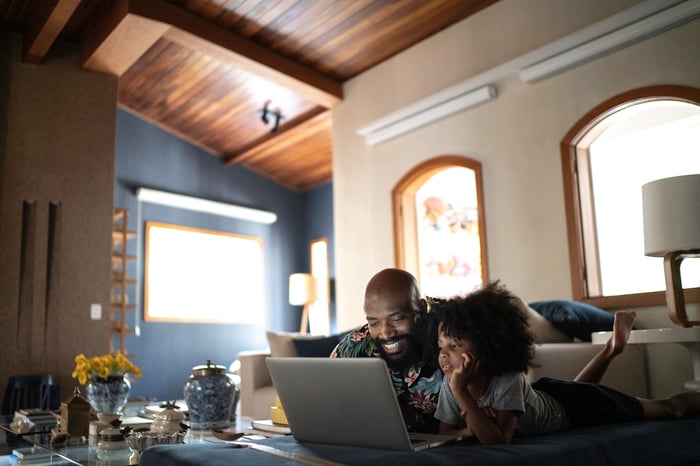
(561, 329)
(643, 443)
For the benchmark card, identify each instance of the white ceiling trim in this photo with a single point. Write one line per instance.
(620, 30)
(425, 116)
(612, 40)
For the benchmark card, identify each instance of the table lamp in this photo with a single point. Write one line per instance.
(671, 210)
(303, 290)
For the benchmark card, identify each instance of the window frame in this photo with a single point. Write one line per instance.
(320, 268)
(404, 208)
(209, 270)
(577, 196)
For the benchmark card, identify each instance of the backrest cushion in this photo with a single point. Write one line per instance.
(294, 344)
(542, 329)
(316, 347)
(575, 319)
(281, 345)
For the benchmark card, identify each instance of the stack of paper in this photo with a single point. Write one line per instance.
(269, 427)
(34, 455)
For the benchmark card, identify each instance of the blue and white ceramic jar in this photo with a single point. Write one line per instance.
(108, 395)
(210, 395)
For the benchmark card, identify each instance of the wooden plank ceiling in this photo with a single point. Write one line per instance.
(210, 70)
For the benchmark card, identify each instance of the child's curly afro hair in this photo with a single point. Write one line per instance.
(494, 320)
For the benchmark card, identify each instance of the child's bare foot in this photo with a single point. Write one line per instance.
(622, 326)
(595, 369)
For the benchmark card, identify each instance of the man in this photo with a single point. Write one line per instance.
(397, 331)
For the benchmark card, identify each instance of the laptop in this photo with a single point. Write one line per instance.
(344, 401)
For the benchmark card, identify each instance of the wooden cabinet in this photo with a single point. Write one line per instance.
(121, 283)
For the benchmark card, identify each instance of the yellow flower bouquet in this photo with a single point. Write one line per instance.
(103, 366)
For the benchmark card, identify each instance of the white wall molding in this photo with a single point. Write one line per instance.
(586, 45)
(425, 115)
(620, 30)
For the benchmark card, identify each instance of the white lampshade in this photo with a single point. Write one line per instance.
(671, 208)
(303, 289)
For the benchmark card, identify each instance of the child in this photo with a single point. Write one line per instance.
(485, 350)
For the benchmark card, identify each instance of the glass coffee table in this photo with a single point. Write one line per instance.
(38, 448)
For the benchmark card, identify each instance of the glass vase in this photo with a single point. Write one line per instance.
(108, 395)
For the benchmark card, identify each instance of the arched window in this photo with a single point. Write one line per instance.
(631, 139)
(439, 231)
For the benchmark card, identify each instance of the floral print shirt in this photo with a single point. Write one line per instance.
(417, 393)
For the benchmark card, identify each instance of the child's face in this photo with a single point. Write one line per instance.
(451, 351)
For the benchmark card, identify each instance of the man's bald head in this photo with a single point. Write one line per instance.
(394, 282)
(392, 303)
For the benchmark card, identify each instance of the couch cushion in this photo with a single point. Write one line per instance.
(293, 344)
(573, 318)
(316, 347)
(542, 329)
(282, 345)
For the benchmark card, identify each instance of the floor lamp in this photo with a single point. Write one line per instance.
(303, 290)
(671, 209)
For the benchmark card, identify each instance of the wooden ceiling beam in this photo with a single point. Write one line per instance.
(196, 33)
(273, 67)
(131, 27)
(119, 39)
(294, 134)
(44, 26)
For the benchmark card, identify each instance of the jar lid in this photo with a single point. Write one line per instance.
(112, 434)
(208, 369)
(169, 414)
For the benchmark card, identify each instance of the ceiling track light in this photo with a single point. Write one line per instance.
(266, 114)
(197, 204)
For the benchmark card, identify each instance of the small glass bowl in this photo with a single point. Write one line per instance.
(139, 441)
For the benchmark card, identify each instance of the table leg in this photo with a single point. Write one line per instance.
(694, 350)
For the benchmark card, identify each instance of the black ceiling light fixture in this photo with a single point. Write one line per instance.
(265, 119)
(266, 114)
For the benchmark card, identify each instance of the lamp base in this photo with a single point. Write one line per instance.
(675, 300)
(304, 327)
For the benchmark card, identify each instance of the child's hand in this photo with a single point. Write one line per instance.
(467, 371)
(470, 364)
(467, 430)
(487, 410)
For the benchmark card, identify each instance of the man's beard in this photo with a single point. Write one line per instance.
(408, 357)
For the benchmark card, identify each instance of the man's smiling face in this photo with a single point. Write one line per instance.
(391, 303)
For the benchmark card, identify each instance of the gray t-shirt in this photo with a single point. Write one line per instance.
(538, 413)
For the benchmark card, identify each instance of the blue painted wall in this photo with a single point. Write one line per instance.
(147, 156)
(319, 224)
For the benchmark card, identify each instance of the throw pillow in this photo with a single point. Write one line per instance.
(576, 319)
(320, 347)
(543, 330)
(282, 345)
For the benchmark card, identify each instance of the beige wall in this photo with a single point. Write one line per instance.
(57, 134)
(516, 137)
